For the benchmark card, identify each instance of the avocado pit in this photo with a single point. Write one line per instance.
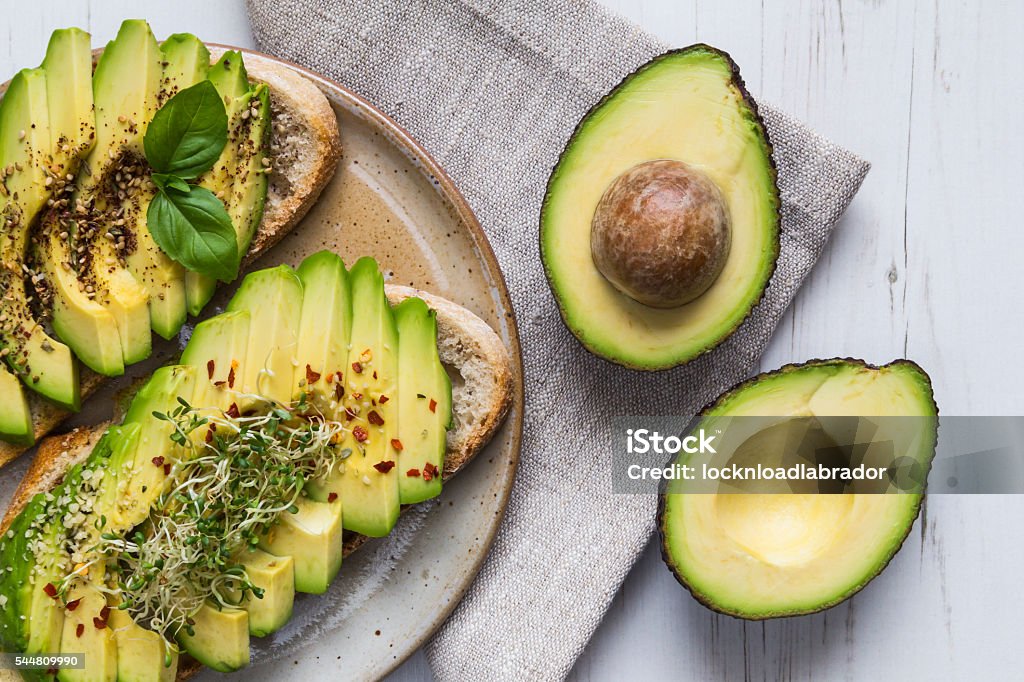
(661, 233)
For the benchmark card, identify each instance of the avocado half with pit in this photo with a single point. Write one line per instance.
(765, 555)
(660, 224)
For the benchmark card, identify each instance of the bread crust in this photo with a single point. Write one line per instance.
(307, 107)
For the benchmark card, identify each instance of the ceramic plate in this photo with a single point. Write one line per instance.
(389, 199)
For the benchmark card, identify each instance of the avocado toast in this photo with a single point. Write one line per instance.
(322, 415)
(64, 318)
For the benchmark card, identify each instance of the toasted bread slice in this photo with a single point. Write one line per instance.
(306, 147)
(474, 355)
(477, 362)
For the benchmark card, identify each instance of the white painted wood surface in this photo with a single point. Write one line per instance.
(926, 264)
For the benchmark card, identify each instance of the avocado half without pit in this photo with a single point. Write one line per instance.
(660, 224)
(759, 555)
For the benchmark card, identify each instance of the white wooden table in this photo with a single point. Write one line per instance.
(926, 264)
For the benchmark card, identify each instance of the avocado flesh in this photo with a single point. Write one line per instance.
(98, 644)
(422, 383)
(312, 538)
(15, 416)
(111, 501)
(273, 300)
(326, 322)
(142, 655)
(31, 620)
(763, 555)
(687, 105)
(68, 65)
(221, 639)
(217, 350)
(370, 497)
(44, 364)
(237, 176)
(145, 476)
(275, 575)
(126, 87)
(185, 62)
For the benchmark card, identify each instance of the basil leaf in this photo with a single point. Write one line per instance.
(195, 230)
(163, 181)
(188, 133)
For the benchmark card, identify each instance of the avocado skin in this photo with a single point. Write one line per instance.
(785, 369)
(16, 585)
(738, 83)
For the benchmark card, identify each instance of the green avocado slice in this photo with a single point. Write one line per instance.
(424, 403)
(273, 300)
(239, 177)
(312, 537)
(44, 364)
(366, 480)
(275, 575)
(142, 655)
(221, 638)
(760, 555)
(326, 323)
(15, 415)
(185, 61)
(688, 106)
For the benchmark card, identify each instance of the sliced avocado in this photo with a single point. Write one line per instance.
(273, 299)
(424, 403)
(94, 638)
(683, 115)
(217, 350)
(239, 177)
(755, 555)
(275, 575)
(185, 62)
(68, 66)
(30, 619)
(312, 537)
(41, 362)
(81, 322)
(326, 321)
(15, 416)
(221, 639)
(126, 87)
(142, 655)
(111, 501)
(366, 481)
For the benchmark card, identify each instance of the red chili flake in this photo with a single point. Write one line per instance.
(360, 433)
(384, 467)
(167, 469)
(413, 473)
(350, 414)
(374, 374)
(339, 391)
(209, 435)
(332, 497)
(219, 384)
(396, 444)
(50, 590)
(231, 376)
(429, 472)
(433, 405)
(105, 612)
(99, 623)
(375, 418)
(210, 366)
(357, 367)
(72, 605)
(233, 411)
(311, 376)
(158, 461)
(80, 630)
(383, 399)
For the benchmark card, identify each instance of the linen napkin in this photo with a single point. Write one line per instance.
(493, 90)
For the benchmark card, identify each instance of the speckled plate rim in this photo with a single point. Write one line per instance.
(407, 144)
